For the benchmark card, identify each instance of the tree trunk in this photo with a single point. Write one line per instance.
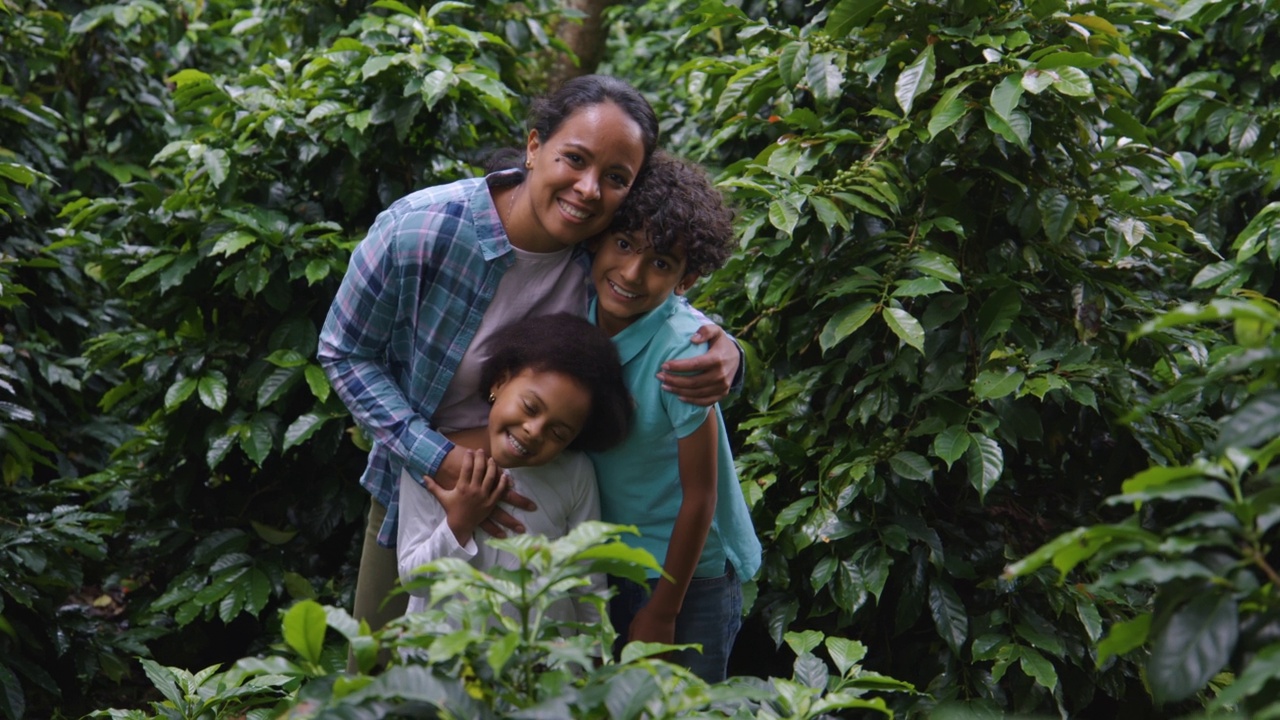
(585, 38)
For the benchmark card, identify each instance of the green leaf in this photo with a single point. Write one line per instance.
(301, 429)
(148, 268)
(216, 163)
(985, 462)
(951, 444)
(911, 466)
(179, 392)
(230, 243)
(825, 78)
(848, 15)
(1005, 96)
(318, 382)
(1261, 670)
(949, 615)
(1057, 213)
(501, 651)
(256, 440)
(791, 514)
(1192, 646)
(905, 326)
(993, 384)
(304, 626)
(783, 214)
(279, 382)
(213, 390)
(11, 695)
(1124, 637)
(803, 641)
(1073, 82)
(914, 80)
(189, 76)
(937, 265)
(1253, 424)
(793, 62)
(845, 653)
(1038, 668)
(918, 287)
(997, 314)
(844, 323)
(951, 106)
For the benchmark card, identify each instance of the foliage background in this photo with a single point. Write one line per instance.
(970, 231)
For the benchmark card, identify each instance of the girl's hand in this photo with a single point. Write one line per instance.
(481, 484)
(651, 626)
(706, 379)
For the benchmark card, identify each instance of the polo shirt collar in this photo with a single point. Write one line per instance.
(633, 339)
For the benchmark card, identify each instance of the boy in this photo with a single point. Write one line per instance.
(673, 478)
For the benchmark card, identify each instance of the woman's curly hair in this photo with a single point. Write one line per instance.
(676, 205)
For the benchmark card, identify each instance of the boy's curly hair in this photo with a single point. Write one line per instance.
(676, 205)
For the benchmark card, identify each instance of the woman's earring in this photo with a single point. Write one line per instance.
(492, 399)
(528, 164)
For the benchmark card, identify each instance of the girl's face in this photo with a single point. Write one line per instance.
(578, 177)
(535, 414)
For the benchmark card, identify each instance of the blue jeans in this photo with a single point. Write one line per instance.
(710, 616)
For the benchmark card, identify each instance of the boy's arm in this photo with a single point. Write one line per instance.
(656, 621)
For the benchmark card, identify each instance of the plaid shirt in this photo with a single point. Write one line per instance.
(409, 306)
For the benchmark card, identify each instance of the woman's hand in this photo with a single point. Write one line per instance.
(481, 485)
(704, 380)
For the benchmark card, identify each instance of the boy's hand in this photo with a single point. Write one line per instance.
(648, 625)
(481, 484)
(499, 521)
(708, 377)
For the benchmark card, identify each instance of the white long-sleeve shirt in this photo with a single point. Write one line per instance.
(565, 493)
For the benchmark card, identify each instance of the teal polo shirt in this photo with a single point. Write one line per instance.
(640, 479)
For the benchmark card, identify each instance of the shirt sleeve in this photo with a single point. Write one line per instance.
(423, 534)
(353, 350)
(740, 376)
(684, 417)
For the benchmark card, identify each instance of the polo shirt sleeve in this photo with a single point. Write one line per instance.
(685, 417)
(354, 340)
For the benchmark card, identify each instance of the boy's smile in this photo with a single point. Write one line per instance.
(632, 278)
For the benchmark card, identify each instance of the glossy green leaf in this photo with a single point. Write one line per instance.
(304, 627)
(179, 392)
(911, 466)
(1073, 82)
(1192, 646)
(845, 653)
(300, 430)
(1005, 96)
(951, 444)
(949, 615)
(1057, 212)
(993, 384)
(905, 326)
(849, 15)
(213, 390)
(1124, 637)
(951, 106)
(915, 80)
(1038, 668)
(985, 463)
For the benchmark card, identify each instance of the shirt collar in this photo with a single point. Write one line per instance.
(484, 216)
(633, 338)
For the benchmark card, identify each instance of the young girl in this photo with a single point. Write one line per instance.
(553, 383)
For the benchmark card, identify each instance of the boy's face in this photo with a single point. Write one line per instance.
(632, 278)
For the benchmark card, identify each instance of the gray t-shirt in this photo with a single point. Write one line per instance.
(538, 284)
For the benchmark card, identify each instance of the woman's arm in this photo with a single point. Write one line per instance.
(656, 621)
(706, 379)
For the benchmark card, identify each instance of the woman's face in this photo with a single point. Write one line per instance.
(579, 177)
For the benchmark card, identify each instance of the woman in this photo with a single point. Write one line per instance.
(443, 267)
